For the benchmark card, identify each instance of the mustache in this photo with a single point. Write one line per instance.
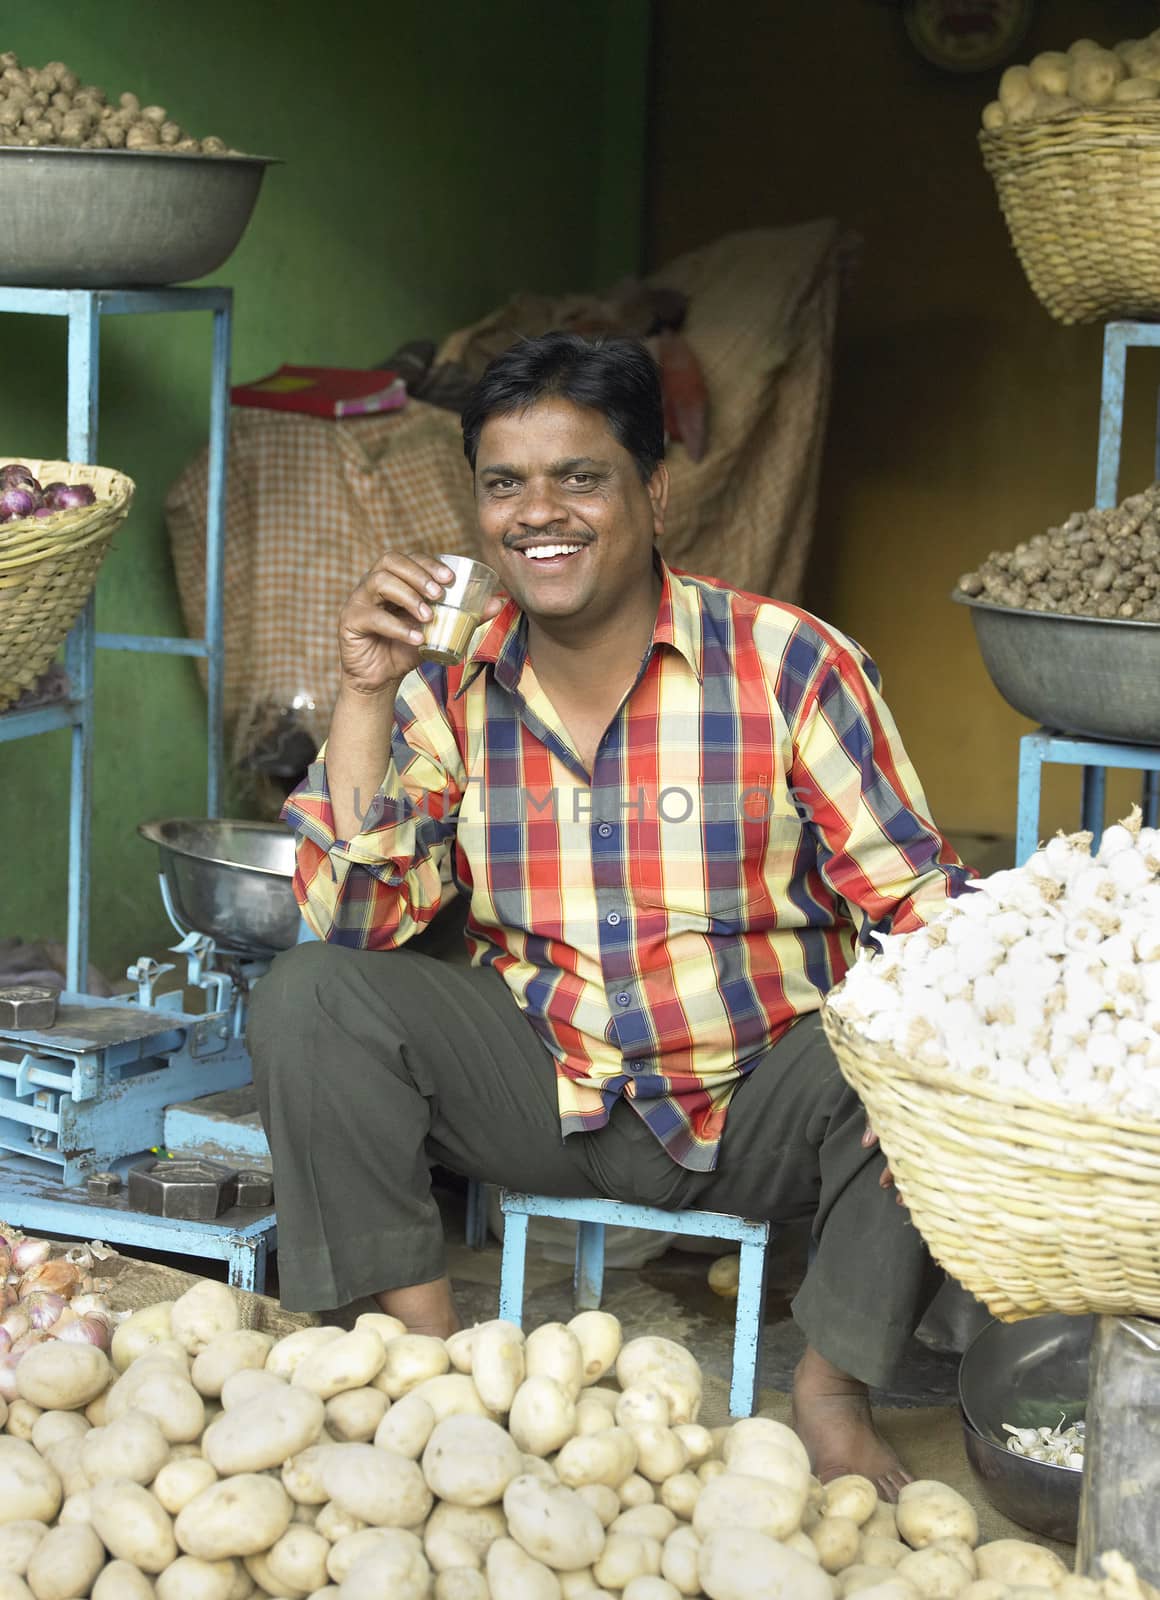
(544, 536)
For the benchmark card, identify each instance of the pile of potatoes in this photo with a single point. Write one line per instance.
(206, 1461)
(51, 106)
(1096, 564)
(1082, 77)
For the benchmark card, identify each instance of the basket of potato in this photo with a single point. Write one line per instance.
(1072, 144)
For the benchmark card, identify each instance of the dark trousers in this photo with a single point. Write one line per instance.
(370, 1067)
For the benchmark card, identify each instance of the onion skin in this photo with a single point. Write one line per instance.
(57, 1277)
(30, 1253)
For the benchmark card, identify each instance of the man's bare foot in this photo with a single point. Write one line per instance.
(424, 1307)
(831, 1415)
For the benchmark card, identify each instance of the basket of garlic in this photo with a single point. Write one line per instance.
(1073, 146)
(1008, 1056)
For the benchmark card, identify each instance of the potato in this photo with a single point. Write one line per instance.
(29, 1488)
(542, 1416)
(51, 1427)
(1016, 91)
(460, 1583)
(264, 1432)
(928, 1511)
(65, 1563)
(1048, 72)
(379, 1322)
(1016, 1561)
(636, 1491)
(18, 1539)
(461, 1536)
(994, 117)
(286, 1354)
(513, 1573)
(836, 1540)
(410, 1360)
(667, 1366)
(132, 1447)
(537, 1467)
(935, 1573)
(77, 1508)
(603, 1500)
(191, 1579)
(237, 1517)
(1093, 75)
(155, 1386)
(202, 1313)
(679, 1561)
(469, 1461)
(647, 1522)
(875, 1551)
(406, 1427)
(497, 1364)
(574, 1584)
(13, 1587)
(679, 1494)
(452, 1394)
(62, 1377)
(882, 1522)
(985, 1589)
(1132, 90)
(889, 1588)
(241, 1350)
(648, 1587)
(349, 1362)
(592, 1417)
(298, 1559)
(607, 1457)
(461, 1349)
(137, 1333)
(133, 1525)
(121, 1580)
(552, 1524)
(382, 1489)
(22, 1419)
(355, 1414)
(395, 1567)
(641, 1407)
(659, 1453)
(246, 1383)
(65, 1460)
(698, 1441)
(178, 1481)
(349, 1550)
(333, 1523)
(749, 1433)
(850, 1496)
(733, 1501)
(553, 1351)
(741, 1564)
(600, 1337)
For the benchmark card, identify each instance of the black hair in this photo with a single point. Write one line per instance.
(617, 377)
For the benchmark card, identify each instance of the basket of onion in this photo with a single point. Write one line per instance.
(43, 1296)
(56, 521)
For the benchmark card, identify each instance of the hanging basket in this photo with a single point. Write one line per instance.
(1081, 197)
(1033, 1206)
(48, 568)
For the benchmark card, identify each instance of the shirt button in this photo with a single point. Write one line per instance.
(605, 830)
(613, 918)
(623, 999)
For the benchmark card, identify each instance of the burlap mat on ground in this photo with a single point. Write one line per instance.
(135, 1284)
(929, 1440)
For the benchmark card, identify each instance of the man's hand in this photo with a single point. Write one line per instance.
(381, 626)
(886, 1181)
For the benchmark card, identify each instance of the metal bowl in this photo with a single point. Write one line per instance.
(1030, 1374)
(1090, 675)
(105, 219)
(230, 880)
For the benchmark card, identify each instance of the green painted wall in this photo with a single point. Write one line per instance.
(438, 157)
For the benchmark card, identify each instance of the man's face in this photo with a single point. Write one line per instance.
(564, 517)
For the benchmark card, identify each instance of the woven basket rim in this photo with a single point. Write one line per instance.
(986, 1089)
(1101, 120)
(30, 539)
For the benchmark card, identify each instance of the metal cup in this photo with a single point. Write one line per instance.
(456, 617)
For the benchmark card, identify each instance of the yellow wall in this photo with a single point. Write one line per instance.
(964, 418)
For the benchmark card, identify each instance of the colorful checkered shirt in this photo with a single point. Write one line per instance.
(751, 814)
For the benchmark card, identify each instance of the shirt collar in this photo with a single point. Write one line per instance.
(503, 644)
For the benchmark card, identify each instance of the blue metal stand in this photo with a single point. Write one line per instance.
(594, 1216)
(84, 309)
(1094, 756)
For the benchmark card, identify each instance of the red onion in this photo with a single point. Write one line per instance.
(17, 502)
(58, 1277)
(69, 496)
(90, 1329)
(15, 1323)
(44, 1308)
(15, 472)
(30, 1253)
(44, 511)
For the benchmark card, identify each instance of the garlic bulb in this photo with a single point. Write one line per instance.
(1045, 977)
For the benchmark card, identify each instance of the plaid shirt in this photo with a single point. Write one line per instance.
(750, 816)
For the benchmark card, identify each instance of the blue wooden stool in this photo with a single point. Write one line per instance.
(593, 1216)
(1094, 756)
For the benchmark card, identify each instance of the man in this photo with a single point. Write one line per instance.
(674, 809)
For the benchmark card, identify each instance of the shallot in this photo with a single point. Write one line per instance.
(22, 496)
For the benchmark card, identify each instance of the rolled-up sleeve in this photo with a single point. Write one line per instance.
(377, 889)
(877, 848)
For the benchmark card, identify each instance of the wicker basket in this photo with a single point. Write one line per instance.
(1081, 198)
(1031, 1206)
(48, 568)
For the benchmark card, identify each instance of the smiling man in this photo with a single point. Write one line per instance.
(674, 809)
